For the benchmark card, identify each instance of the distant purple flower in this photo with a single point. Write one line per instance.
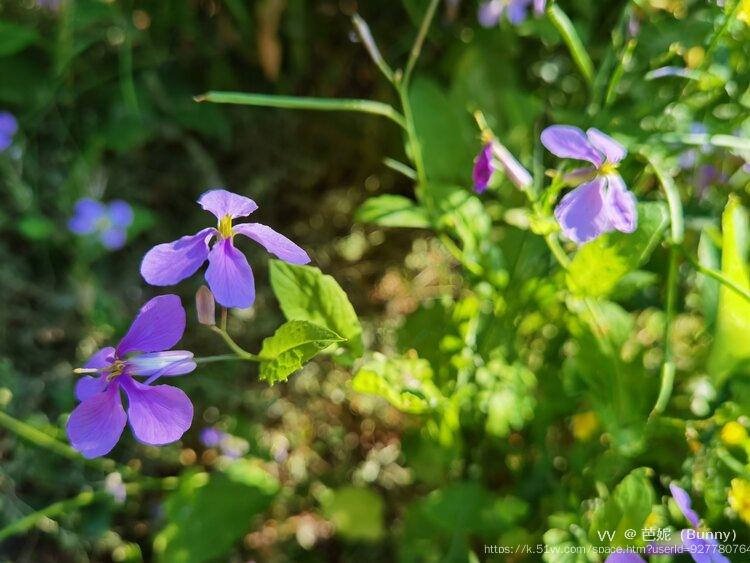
(228, 275)
(211, 436)
(49, 4)
(158, 414)
(230, 446)
(516, 11)
(603, 203)
(484, 167)
(114, 486)
(8, 128)
(701, 547)
(110, 222)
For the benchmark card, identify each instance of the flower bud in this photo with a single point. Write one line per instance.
(205, 306)
(514, 170)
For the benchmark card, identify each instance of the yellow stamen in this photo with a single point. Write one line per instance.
(225, 227)
(608, 168)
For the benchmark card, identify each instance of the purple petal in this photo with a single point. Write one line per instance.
(101, 359)
(158, 415)
(113, 238)
(158, 326)
(582, 213)
(211, 436)
(172, 262)
(702, 550)
(273, 242)
(539, 6)
(489, 13)
(96, 424)
(565, 141)
(229, 276)
(222, 203)
(482, 172)
(605, 144)
(684, 503)
(161, 364)
(621, 204)
(514, 170)
(578, 176)
(86, 215)
(624, 557)
(8, 128)
(88, 386)
(120, 213)
(517, 11)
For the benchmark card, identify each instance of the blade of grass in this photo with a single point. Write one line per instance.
(571, 38)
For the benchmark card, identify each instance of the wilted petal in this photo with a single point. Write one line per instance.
(86, 215)
(482, 171)
(582, 213)
(514, 170)
(158, 326)
(205, 306)
(605, 144)
(684, 503)
(113, 238)
(120, 213)
(96, 424)
(489, 13)
(570, 142)
(222, 203)
(273, 242)
(161, 364)
(101, 359)
(622, 205)
(229, 276)
(172, 262)
(158, 415)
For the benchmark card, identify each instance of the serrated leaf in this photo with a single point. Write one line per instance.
(406, 383)
(392, 211)
(731, 345)
(599, 265)
(209, 512)
(306, 294)
(293, 344)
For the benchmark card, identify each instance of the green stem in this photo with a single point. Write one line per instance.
(718, 276)
(668, 368)
(240, 352)
(363, 30)
(614, 81)
(732, 462)
(43, 440)
(400, 167)
(315, 104)
(458, 254)
(416, 48)
(570, 36)
(411, 133)
(557, 250)
(223, 358)
(677, 224)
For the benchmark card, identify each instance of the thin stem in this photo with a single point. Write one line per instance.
(365, 35)
(458, 254)
(677, 224)
(617, 74)
(570, 36)
(411, 132)
(400, 167)
(315, 104)
(732, 462)
(557, 250)
(240, 352)
(416, 48)
(668, 367)
(224, 318)
(222, 358)
(718, 276)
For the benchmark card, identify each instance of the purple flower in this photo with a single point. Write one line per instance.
(114, 486)
(701, 545)
(230, 446)
(484, 167)
(158, 414)
(212, 436)
(8, 128)
(517, 11)
(109, 222)
(603, 203)
(228, 275)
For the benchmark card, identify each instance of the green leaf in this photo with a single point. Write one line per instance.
(406, 383)
(599, 265)
(37, 227)
(209, 512)
(626, 509)
(357, 514)
(306, 294)
(293, 344)
(731, 345)
(15, 38)
(392, 211)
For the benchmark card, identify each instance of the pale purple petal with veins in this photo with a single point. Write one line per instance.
(158, 326)
(161, 364)
(222, 203)
(96, 424)
(229, 276)
(684, 503)
(482, 171)
(172, 262)
(621, 203)
(157, 414)
(605, 144)
(583, 214)
(514, 170)
(273, 242)
(570, 142)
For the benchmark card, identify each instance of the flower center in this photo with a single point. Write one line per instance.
(225, 227)
(608, 168)
(115, 370)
